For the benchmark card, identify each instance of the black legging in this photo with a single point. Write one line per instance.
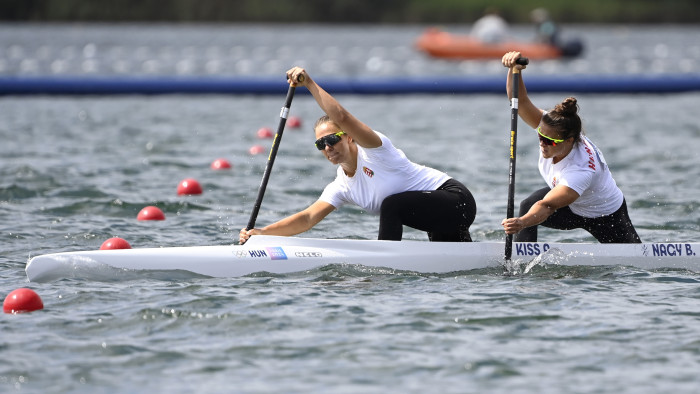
(445, 214)
(614, 228)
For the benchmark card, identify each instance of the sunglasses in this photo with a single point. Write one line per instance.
(329, 140)
(548, 140)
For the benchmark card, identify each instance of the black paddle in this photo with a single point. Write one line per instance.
(273, 153)
(513, 142)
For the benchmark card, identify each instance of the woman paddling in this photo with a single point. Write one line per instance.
(378, 177)
(580, 192)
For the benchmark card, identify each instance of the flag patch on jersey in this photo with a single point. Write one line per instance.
(367, 171)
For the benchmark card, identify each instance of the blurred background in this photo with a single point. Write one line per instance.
(339, 39)
(346, 11)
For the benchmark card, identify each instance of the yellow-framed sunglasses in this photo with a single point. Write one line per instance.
(548, 140)
(330, 140)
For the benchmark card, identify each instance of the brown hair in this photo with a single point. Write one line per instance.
(322, 120)
(564, 118)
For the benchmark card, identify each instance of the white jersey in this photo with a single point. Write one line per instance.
(381, 172)
(584, 170)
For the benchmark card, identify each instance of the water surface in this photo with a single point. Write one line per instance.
(75, 171)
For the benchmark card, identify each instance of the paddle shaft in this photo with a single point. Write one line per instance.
(273, 153)
(510, 211)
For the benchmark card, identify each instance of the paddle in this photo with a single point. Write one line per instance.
(273, 153)
(513, 141)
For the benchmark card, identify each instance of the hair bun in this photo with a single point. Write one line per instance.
(567, 107)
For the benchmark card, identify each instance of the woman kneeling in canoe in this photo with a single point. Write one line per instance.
(580, 192)
(378, 177)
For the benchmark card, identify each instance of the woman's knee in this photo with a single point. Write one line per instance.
(528, 202)
(391, 204)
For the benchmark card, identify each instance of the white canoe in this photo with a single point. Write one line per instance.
(280, 255)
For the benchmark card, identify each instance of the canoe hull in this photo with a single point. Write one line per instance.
(280, 255)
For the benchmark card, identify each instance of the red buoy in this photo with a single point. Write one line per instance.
(151, 213)
(115, 243)
(220, 164)
(256, 150)
(294, 122)
(22, 300)
(265, 132)
(189, 186)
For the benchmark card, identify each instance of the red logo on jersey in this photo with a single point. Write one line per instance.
(554, 181)
(368, 172)
(591, 162)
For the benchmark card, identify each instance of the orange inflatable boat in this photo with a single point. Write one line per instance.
(438, 43)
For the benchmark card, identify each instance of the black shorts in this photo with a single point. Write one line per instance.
(445, 213)
(614, 228)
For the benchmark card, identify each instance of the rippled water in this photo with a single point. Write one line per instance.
(75, 171)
